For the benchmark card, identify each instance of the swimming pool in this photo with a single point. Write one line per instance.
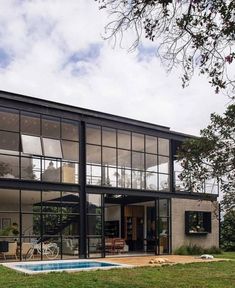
(59, 266)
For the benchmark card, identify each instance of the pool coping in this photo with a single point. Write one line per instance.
(13, 266)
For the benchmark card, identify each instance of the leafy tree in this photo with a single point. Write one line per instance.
(212, 156)
(189, 34)
(228, 231)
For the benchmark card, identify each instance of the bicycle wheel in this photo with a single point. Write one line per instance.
(29, 253)
(52, 251)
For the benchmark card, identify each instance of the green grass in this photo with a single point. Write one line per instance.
(196, 275)
(226, 255)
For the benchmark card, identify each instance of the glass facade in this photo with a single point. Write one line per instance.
(120, 204)
(38, 148)
(118, 158)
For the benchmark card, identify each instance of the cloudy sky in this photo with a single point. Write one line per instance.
(53, 49)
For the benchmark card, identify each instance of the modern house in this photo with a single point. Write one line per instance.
(94, 185)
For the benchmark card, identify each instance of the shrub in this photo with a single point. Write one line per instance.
(196, 250)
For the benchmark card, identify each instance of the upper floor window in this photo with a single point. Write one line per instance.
(9, 119)
(31, 145)
(50, 127)
(30, 124)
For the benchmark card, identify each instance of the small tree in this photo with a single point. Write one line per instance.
(212, 157)
(228, 232)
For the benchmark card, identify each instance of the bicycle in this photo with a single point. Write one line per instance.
(50, 250)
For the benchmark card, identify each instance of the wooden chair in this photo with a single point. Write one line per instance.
(119, 245)
(109, 245)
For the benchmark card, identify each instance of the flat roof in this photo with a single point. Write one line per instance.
(87, 112)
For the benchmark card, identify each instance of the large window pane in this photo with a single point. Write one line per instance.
(124, 139)
(151, 144)
(5, 204)
(70, 172)
(151, 181)
(30, 124)
(163, 146)
(93, 154)
(51, 127)
(30, 168)
(31, 145)
(70, 202)
(69, 130)
(93, 134)
(138, 178)
(137, 160)
(51, 202)
(52, 148)
(93, 175)
(9, 166)
(9, 119)
(109, 176)
(109, 156)
(51, 171)
(30, 202)
(163, 207)
(163, 163)
(164, 182)
(9, 142)
(94, 204)
(109, 136)
(137, 142)
(151, 162)
(124, 158)
(70, 150)
(94, 225)
(124, 178)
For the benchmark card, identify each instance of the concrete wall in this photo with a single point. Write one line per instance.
(179, 238)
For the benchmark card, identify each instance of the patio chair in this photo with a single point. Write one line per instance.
(119, 245)
(12, 250)
(25, 248)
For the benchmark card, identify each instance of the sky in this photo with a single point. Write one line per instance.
(55, 50)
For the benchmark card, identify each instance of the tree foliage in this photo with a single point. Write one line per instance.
(228, 231)
(188, 33)
(212, 156)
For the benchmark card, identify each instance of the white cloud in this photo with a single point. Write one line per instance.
(43, 35)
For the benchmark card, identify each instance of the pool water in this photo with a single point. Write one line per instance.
(65, 266)
(62, 265)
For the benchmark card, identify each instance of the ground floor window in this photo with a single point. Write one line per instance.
(45, 225)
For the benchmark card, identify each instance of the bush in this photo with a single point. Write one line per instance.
(196, 250)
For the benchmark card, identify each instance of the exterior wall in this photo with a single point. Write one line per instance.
(179, 238)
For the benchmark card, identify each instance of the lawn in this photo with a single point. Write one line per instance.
(197, 275)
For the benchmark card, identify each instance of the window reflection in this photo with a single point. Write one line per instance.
(30, 168)
(151, 144)
(51, 171)
(70, 150)
(69, 130)
(51, 127)
(138, 142)
(109, 137)
(9, 142)
(9, 119)
(124, 139)
(30, 124)
(52, 148)
(93, 134)
(31, 145)
(163, 146)
(9, 166)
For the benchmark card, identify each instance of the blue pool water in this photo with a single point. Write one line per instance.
(65, 266)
